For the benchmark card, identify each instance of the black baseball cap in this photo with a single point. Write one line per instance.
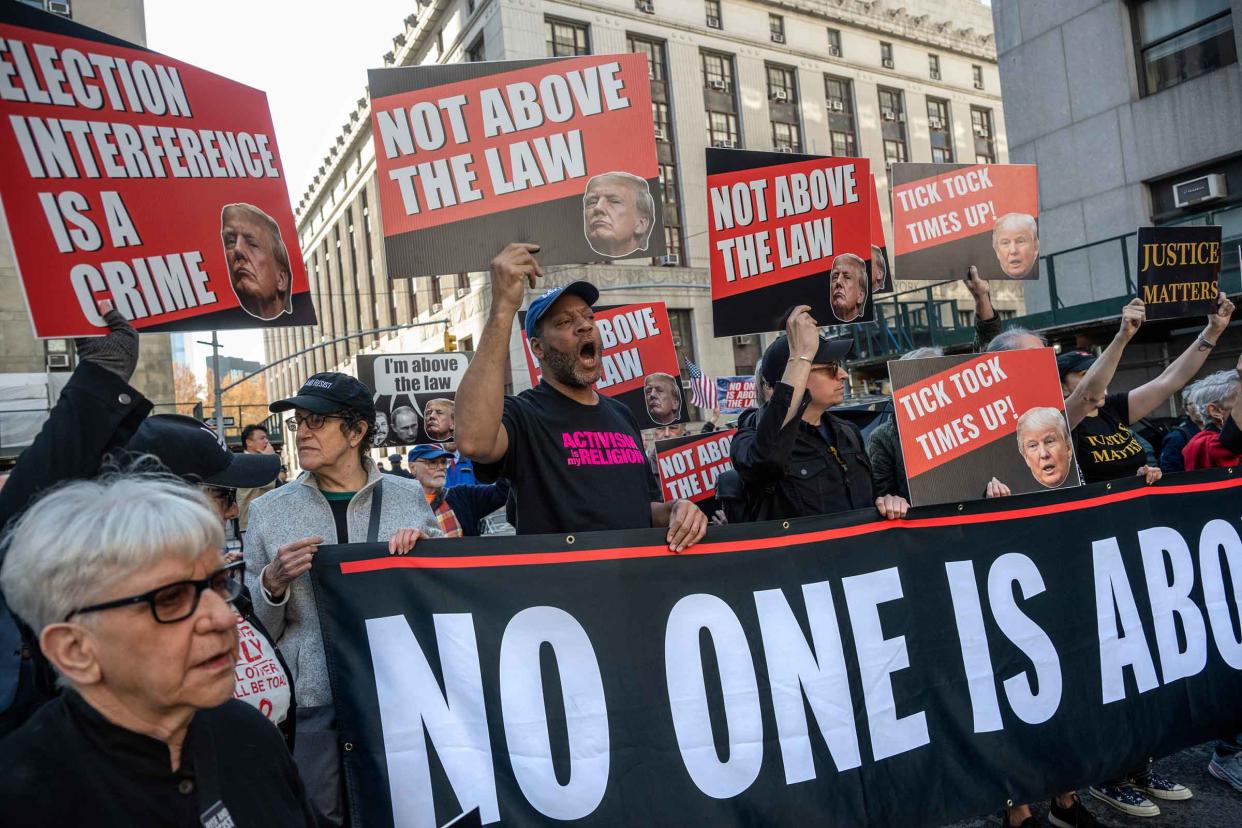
(1071, 362)
(327, 393)
(586, 291)
(191, 450)
(777, 355)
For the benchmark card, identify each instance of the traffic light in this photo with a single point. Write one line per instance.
(450, 341)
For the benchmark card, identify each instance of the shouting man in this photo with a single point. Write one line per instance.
(258, 261)
(617, 214)
(573, 456)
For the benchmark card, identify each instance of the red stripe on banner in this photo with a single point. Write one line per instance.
(774, 542)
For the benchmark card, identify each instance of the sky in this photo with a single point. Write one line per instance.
(310, 57)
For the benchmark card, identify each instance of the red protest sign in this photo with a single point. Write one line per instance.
(964, 420)
(778, 226)
(689, 466)
(516, 151)
(947, 217)
(638, 362)
(134, 177)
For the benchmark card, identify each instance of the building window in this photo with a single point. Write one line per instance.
(681, 326)
(717, 71)
(940, 131)
(834, 42)
(886, 54)
(565, 38)
(933, 67)
(722, 129)
(839, 96)
(659, 116)
(782, 84)
(895, 152)
(440, 43)
(1180, 40)
(786, 137)
(776, 28)
(668, 183)
(653, 50)
(976, 72)
(463, 282)
(437, 296)
(476, 53)
(985, 141)
(712, 8)
(891, 108)
(672, 240)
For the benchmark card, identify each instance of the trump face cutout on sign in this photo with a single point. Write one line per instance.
(258, 261)
(1044, 440)
(618, 214)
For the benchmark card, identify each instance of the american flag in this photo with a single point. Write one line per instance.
(702, 387)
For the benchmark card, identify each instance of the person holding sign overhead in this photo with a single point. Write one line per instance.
(573, 456)
(795, 458)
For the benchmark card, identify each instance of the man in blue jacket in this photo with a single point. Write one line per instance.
(459, 509)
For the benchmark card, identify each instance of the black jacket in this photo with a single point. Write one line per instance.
(792, 471)
(97, 412)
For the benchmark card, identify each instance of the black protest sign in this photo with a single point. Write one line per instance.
(787, 230)
(964, 420)
(1179, 270)
(558, 152)
(947, 217)
(414, 395)
(688, 467)
(835, 671)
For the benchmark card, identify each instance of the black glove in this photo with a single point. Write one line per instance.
(117, 350)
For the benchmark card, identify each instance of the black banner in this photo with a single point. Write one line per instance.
(836, 670)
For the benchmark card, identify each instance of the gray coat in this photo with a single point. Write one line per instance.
(299, 510)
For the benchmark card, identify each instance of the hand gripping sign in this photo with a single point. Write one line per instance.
(558, 152)
(130, 176)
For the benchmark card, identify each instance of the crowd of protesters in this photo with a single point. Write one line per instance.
(122, 606)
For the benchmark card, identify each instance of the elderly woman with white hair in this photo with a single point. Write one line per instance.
(124, 581)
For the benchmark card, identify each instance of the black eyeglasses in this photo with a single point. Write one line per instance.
(312, 421)
(225, 496)
(179, 600)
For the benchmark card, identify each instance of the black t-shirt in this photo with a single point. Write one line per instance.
(1104, 445)
(574, 467)
(68, 765)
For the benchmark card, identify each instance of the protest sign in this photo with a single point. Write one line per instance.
(638, 362)
(688, 467)
(130, 176)
(1179, 270)
(947, 217)
(787, 230)
(877, 266)
(558, 152)
(414, 395)
(966, 419)
(259, 677)
(735, 394)
(837, 670)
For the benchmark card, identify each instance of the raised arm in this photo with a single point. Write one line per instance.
(987, 324)
(481, 395)
(1089, 394)
(1151, 395)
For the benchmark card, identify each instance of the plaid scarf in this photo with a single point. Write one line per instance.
(445, 516)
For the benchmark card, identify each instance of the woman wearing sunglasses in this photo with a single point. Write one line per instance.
(124, 580)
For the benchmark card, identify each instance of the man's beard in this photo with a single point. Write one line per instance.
(563, 367)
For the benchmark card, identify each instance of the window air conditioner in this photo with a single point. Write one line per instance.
(835, 51)
(784, 148)
(713, 22)
(1198, 190)
(935, 74)
(57, 361)
(935, 123)
(744, 340)
(718, 85)
(888, 114)
(660, 134)
(722, 143)
(778, 37)
(981, 132)
(888, 63)
(836, 105)
(645, 6)
(978, 84)
(670, 260)
(779, 95)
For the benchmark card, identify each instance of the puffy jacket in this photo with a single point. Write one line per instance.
(888, 468)
(791, 471)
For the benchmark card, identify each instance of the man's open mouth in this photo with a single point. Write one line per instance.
(587, 353)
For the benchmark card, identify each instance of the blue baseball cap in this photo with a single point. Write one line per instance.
(585, 290)
(425, 451)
